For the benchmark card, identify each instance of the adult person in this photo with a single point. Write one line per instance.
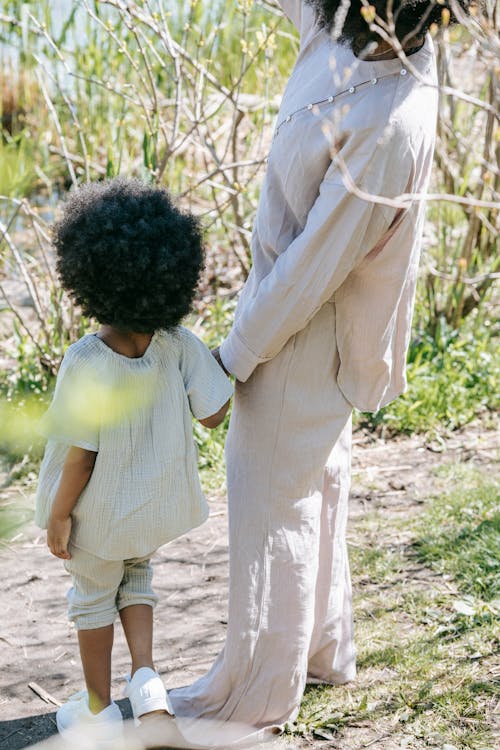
(322, 325)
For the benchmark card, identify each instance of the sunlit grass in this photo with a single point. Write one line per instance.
(460, 536)
(426, 646)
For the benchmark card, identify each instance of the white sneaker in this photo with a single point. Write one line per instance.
(76, 722)
(146, 693)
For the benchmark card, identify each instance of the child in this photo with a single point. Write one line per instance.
(119, 475)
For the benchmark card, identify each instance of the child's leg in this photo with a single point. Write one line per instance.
(95, 653)
(137, 621)
(92, 607)
(135, 601)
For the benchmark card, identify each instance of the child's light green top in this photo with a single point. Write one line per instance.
(136, 413)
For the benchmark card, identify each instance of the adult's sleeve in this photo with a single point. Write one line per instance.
(73, 417)
(340, 231)
(207, 386)
(301, 15)
(293, 9)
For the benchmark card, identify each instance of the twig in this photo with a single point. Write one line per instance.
(463, 279)
(79, 160)
(31, 287)
(135, 12)
(405, 200)
(57, 125)
(43, 694)
(13, 310)
(377, 739)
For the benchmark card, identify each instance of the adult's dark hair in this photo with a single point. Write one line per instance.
(127, 255)
(412, 18)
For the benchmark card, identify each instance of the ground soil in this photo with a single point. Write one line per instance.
(38, 647)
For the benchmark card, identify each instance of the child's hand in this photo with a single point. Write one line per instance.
(58, 532)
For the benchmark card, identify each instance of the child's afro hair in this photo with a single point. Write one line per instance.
(127, 255)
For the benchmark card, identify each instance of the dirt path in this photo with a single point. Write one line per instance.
(38, 646)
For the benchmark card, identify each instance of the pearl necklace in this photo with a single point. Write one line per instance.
(333, 98)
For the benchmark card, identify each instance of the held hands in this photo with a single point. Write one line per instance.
(216, 355)
(58, 533)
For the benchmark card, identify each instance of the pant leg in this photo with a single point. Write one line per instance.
(285, 420)
(92, 597)
(135, 586)
(102, 587)
(332, 656)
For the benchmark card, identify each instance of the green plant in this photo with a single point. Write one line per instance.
(173, 95)
(18, 175)
(452, 378)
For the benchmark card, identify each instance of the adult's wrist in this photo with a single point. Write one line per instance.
(238, 359)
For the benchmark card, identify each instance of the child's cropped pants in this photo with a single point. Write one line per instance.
(103, 587)
(288, 464)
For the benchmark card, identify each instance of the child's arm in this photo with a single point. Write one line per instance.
(214, 420)
(208, 389)
(76, 473)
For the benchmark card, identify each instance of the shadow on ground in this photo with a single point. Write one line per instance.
(25, 731)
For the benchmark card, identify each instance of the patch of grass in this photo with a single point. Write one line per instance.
(25, 390)
(459, 535)
(376, 564)
(425, 651)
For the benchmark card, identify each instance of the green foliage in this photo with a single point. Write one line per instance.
(217, 320)
(18, 175)
(22, 402)
(210, 444)
(113, 81)
(452, 378)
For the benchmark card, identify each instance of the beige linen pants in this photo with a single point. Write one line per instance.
(101, 588)
(288, 469)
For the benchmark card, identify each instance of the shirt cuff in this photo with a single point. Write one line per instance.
(237, 358)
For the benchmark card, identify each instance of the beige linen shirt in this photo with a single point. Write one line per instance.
(136, 414)
(314, 239)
